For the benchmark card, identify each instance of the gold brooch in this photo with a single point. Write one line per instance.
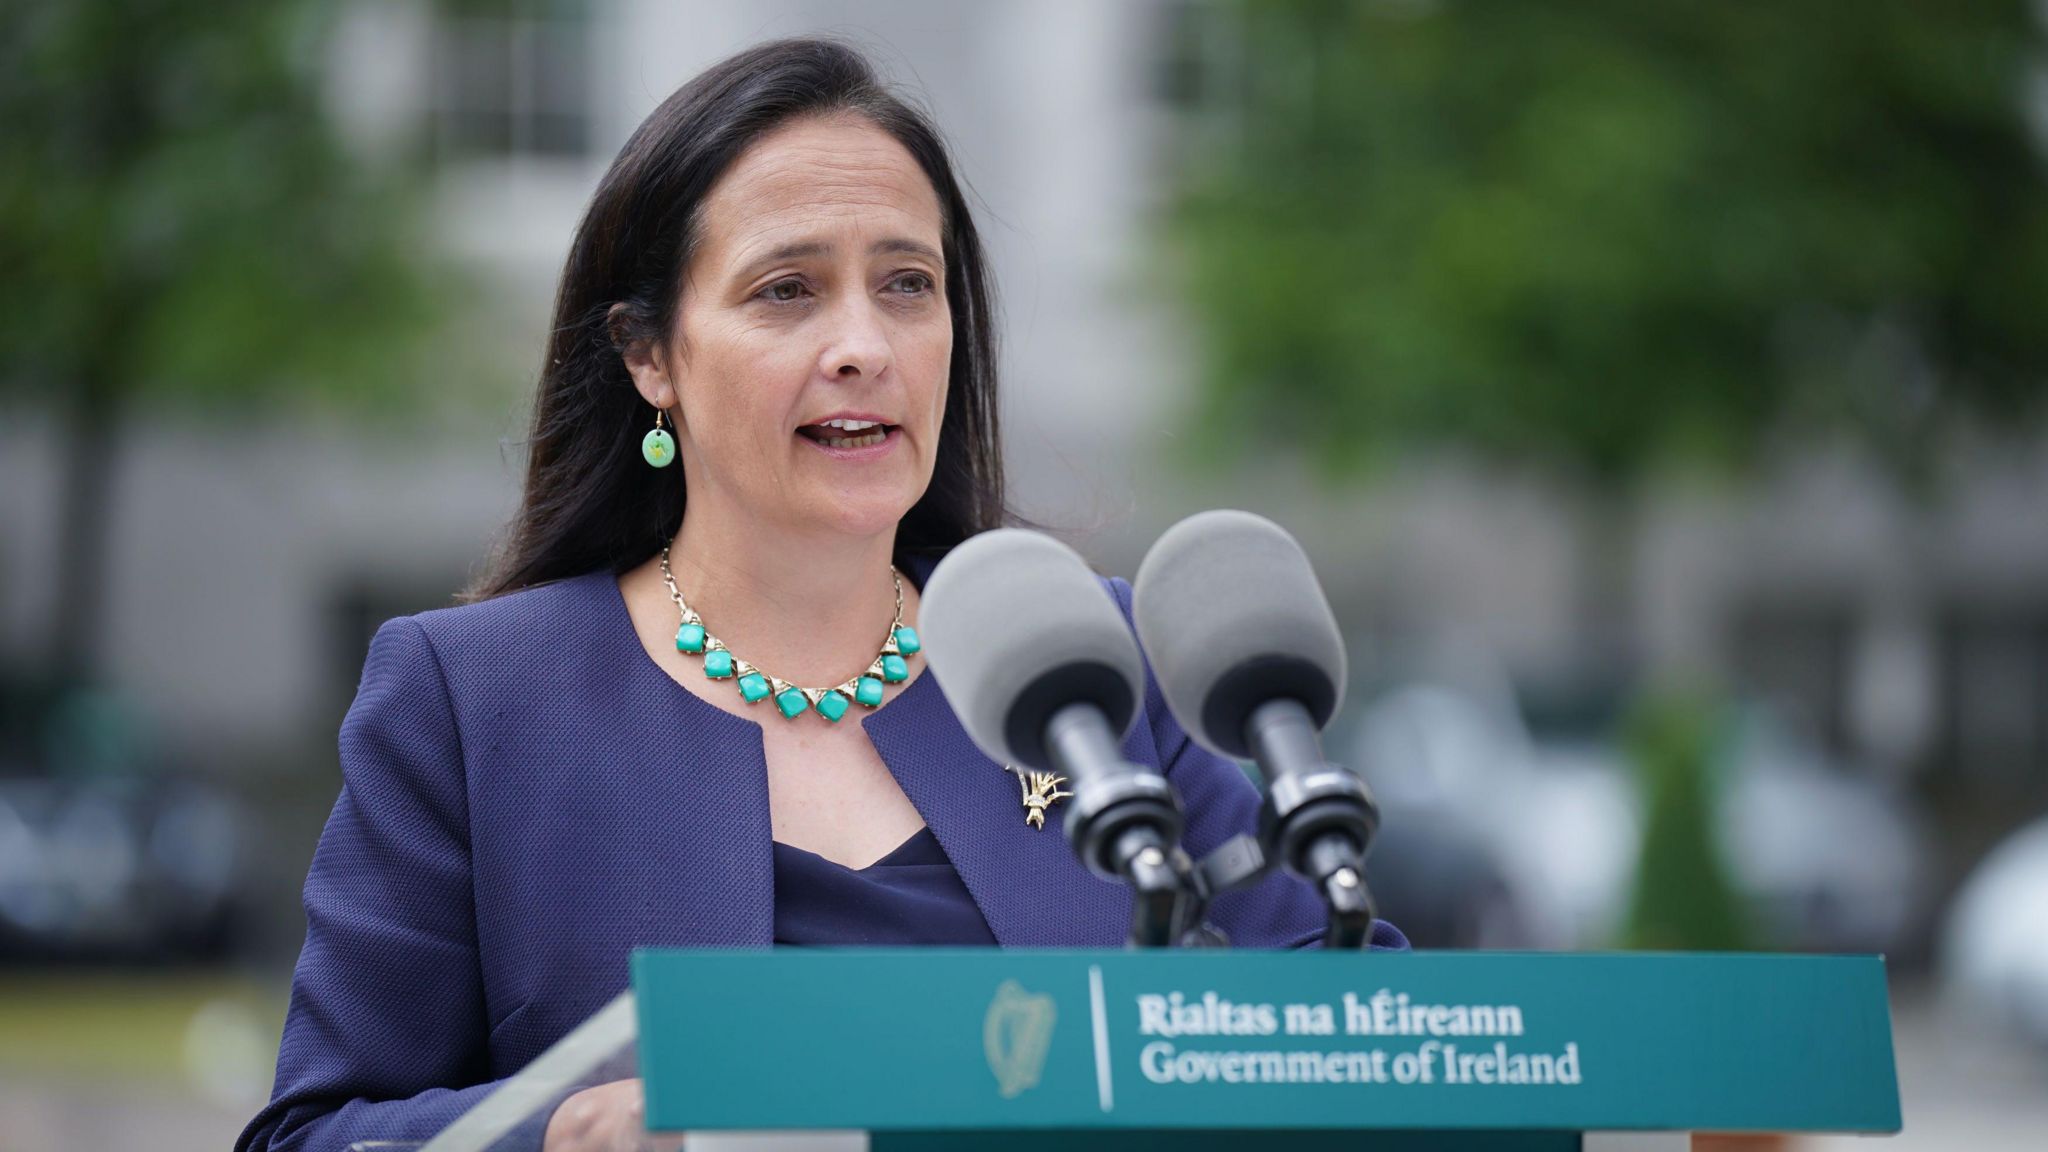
(1040, 790)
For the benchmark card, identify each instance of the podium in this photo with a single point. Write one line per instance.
(914, 1049)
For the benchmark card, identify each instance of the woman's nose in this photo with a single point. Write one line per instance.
(859, 345)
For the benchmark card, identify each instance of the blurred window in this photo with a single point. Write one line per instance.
(1195, 74)
(1796, 656)
(357, 607)
(1995, 691)
(513, 84)
(1191, 53)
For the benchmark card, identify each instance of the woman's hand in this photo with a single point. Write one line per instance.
(607, 1118)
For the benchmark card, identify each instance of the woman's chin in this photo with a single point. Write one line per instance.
(855, 504)
(858, 515)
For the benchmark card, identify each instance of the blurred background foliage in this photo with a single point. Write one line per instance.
(1616, 241)
(1610, 236)
(180, 220)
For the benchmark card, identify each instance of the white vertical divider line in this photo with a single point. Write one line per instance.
(1101, 1015)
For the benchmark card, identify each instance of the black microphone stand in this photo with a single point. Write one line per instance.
(1318, 818)
(1125, 823)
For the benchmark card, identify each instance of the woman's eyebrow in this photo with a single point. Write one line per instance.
(806, 248)
(903, 245)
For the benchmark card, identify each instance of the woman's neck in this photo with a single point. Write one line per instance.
(812, 609)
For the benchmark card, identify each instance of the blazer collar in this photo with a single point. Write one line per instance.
(1031, 889)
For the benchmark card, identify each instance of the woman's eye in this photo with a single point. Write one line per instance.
(783, 291)
(917, 284)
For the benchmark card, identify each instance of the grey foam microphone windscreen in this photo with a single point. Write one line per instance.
(1231, 614)
(1016, 626)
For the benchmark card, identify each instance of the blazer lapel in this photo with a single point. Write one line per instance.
(700, 784)
(1031, 889)
(713, 833)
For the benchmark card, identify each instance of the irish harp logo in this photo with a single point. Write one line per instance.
(1015, 1035)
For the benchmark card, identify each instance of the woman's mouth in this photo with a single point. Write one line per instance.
(840, 436)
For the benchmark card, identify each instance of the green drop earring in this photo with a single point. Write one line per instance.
(658, 446)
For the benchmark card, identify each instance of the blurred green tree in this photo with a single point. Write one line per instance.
(1608, 236)
(1682, 899)
(181, 220)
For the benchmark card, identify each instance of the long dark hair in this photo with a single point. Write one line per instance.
(590, 501)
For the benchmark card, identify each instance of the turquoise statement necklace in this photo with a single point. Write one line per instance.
(755, 685)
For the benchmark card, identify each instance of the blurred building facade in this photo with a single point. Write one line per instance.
(252, 564)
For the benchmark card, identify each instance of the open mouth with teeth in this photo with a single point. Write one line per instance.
(847, 433)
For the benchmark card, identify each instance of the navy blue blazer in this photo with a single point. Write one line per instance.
(527, 796)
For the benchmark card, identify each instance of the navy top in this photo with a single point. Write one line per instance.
(910, 896)
(526, 797)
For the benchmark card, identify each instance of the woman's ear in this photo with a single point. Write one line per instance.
(640, 356)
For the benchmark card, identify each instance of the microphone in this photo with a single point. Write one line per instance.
(1249, 657)
(1044, 673)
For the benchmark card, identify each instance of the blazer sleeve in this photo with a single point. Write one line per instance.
(1220, 801)
(385, 1036)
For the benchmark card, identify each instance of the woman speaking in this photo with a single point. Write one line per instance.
(685, 706)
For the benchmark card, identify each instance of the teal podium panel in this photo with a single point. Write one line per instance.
(1520, 1046)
